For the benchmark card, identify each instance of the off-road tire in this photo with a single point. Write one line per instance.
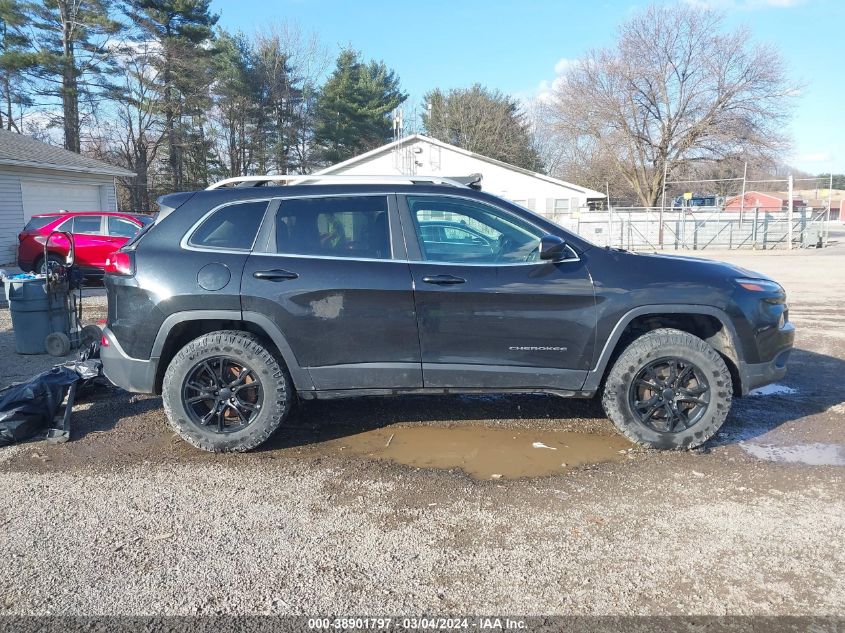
(242, 346)
(650, 347)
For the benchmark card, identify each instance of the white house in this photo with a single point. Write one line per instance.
(419, 155)
(39, 178)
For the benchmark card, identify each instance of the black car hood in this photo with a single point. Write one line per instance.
(712, 266)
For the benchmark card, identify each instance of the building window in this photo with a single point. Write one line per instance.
(561, 206)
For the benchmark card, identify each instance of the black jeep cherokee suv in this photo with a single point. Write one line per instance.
(238, 300)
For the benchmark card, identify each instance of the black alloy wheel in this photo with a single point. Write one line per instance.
(669, 395)
(222, 395)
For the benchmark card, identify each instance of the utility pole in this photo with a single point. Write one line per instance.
(662, 205)
(829, 202)
(742, 199)
(789, 216)
(609, 213)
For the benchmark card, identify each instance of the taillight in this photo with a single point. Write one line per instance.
(104, 342)
(120, 264)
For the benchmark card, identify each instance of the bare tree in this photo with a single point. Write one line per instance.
(574, 158)
(483, 121)
(676, 88)
(133, 132)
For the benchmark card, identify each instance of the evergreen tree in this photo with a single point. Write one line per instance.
(74, 38)
(353, 107)
(183, 31)
(483, 121)
(237, 110)
(16, 57)
(838, 180)
(280, 92)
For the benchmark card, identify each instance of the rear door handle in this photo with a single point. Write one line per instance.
(443, 280)
(277, 274)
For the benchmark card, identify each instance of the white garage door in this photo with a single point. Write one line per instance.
(43, 196)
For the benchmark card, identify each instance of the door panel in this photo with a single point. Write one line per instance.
(349, 320)
(495, 324)
(91, 245)
(520, 326)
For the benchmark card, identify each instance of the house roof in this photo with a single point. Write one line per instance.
(24, 151)
(781, 198)
(589, 193)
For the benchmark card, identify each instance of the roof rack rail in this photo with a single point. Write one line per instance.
(471, 181)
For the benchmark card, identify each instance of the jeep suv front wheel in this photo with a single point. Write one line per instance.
(669, 389)
(226, 392)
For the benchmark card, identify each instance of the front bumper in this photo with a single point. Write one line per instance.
(753, 375)
(133, 374)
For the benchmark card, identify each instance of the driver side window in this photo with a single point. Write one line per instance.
(461, 231)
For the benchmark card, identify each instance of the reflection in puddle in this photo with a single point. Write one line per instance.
(487, 453)
(813, 454)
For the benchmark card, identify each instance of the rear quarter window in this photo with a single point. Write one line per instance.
(231, 227)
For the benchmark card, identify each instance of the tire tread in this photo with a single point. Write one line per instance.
(280, 388)
(614, 396)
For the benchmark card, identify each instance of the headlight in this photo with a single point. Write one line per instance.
(759, 285)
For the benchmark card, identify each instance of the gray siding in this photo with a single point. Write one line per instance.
(11, 215)
(112, 198)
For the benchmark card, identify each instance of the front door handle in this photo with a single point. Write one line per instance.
(277, 274)
(443, 280)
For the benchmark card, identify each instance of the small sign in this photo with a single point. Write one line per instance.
(688, 195)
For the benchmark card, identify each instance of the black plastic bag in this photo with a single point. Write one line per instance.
(28, 408)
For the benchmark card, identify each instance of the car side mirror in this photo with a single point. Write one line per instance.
(552, 248)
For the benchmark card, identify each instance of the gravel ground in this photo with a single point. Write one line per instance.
(128, 519)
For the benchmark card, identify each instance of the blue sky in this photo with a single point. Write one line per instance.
(515, 46)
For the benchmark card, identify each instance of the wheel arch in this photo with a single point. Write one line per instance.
(182, 327)
(709, 323)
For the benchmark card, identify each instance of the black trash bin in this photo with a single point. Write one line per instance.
(37, 312)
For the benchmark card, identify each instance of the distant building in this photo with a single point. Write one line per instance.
(419, 155)
(39, 178)
(771, 202)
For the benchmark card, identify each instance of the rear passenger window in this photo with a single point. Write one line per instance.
(88, 224)
(119, 227)
(233, 226)
(354, 227)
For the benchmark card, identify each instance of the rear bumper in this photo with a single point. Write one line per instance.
(133, 374)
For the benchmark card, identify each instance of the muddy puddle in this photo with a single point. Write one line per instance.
(486, 453)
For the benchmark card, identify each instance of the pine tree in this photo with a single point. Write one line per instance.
(16, 57)
(354, 106)
(280, 92)
(74, 60)
(237, 111)
(183, 31)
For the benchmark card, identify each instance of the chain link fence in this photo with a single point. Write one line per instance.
(700, 228)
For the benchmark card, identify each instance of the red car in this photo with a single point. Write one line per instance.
(96, 235)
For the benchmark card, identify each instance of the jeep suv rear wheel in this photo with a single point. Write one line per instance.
(669, 389)
(226, 392)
